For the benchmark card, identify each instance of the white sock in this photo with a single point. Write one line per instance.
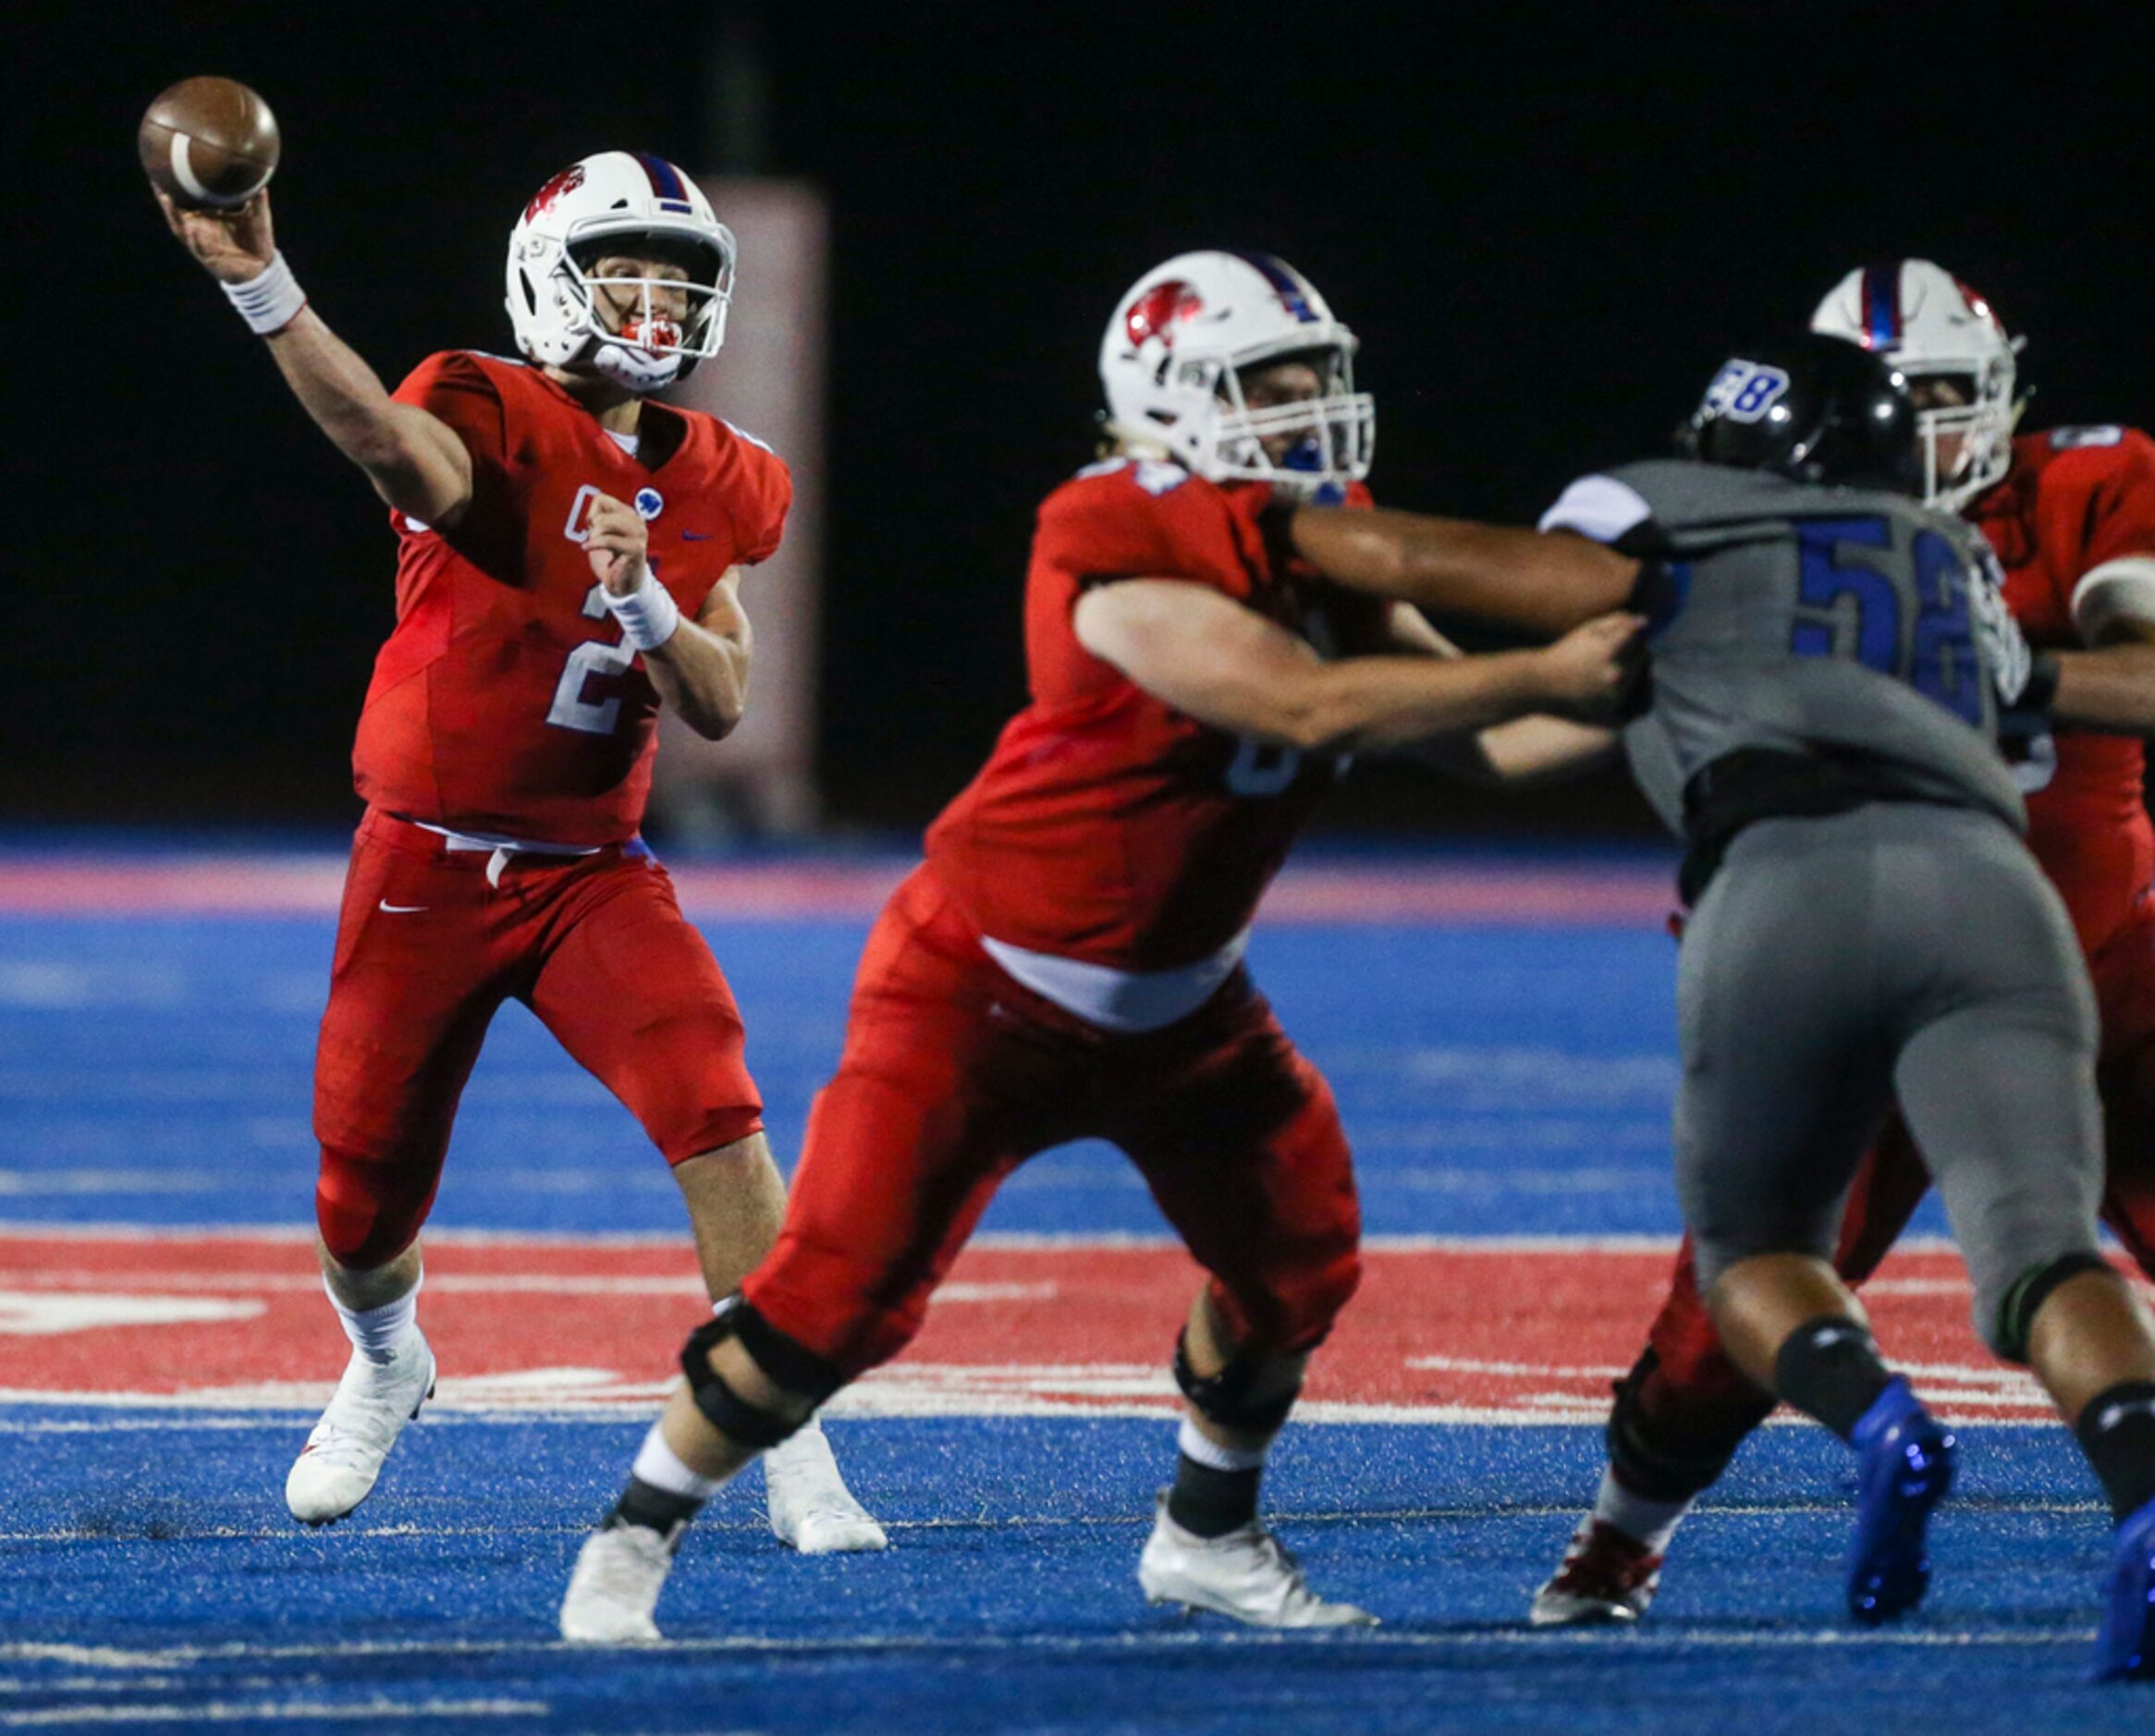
(659, 1465)
(1647, 1522)
(1191, 1442)
(379, 1333)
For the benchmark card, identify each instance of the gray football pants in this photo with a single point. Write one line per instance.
(1902, 951)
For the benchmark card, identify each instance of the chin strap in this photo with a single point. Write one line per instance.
(1132, 442)
(1310, 491)
(635, 370)
(1307, 482)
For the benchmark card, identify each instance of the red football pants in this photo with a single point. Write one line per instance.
(427, 948)
(953, 1074)
(1694, 1398)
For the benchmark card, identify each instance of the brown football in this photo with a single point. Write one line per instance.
(209, 141)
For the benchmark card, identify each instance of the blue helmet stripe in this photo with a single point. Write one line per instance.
(1285, 282)
(665, 179)
(1881, 306)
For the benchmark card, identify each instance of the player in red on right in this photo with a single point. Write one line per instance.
(2071, 515)
(1068, 963)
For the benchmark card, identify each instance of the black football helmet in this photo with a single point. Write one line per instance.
(1813, 408)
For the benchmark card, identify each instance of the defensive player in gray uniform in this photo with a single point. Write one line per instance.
(1829, 665)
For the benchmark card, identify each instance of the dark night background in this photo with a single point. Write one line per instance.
(1545, 222)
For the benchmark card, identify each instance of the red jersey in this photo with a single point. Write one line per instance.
(2074, 499)
(1107, 826)
(504, 701)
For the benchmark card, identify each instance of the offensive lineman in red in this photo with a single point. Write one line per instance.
(1068, 962)
(569, 557)
(2071, 515)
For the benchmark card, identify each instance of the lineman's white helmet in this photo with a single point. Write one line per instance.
(618, 201)
(1927, 322)
(1172, 354)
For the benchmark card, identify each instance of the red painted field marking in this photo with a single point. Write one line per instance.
(1518, 1331)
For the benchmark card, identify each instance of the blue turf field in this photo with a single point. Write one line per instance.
(1493, 1079)
(1496, 1080)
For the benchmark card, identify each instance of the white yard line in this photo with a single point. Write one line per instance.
(1830, 1506)
(250, 1711)
(1661, 1637)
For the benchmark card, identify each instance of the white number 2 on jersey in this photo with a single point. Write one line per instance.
(571, 710)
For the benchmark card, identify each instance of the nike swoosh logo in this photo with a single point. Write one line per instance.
(696, 536)
(399, 909)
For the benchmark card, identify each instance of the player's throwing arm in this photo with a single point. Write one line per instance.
(413, 458)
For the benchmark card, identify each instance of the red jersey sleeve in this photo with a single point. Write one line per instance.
(1141, 520)
(759, 519)
(2120, 507)
(2097, 504)
(454, 388)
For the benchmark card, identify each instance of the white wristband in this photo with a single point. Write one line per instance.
(648, 614)
(271, 301)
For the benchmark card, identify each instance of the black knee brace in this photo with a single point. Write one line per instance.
(1651, 1467)
(786, 1362)
(2029, 1291)
(1226, 1397)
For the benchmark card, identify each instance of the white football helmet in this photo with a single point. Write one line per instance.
(1173, 354)
(1928, 324)
(601, 204)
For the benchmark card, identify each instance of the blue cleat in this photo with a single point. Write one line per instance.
(1904, 1461)
(2125, 1650)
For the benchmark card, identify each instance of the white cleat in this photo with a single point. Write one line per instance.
(1247, 1574)
(619, 1572)
(809, 1504)
(338, 1466)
